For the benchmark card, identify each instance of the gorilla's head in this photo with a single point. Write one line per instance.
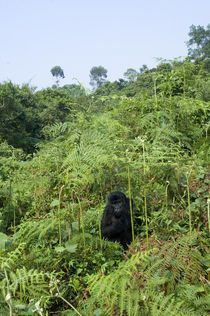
(117, 200)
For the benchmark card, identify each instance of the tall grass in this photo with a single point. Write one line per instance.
(208, 214)
(189, 205)
(59, 214)
(145, 195)
(82, 222)
(130, 200)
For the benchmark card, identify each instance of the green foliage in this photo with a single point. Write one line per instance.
(199, 44)
(23, 283)
(148, 138)
(58, 73)
(152, 283)
(55, 106)
(18, 121)
(131, 74)
(98, 76)
(74, 90)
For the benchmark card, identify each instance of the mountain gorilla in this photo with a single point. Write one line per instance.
(116, 221)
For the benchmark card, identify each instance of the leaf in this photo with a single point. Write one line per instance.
(8, 297)
(3, 239)
(21, 306)
(59, 249)
(199, 289)
(97, 312)
(70, 247)
(54, 203)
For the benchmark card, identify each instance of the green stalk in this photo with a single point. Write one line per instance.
(155, 90)
(189, 205)
(166, 197)
(99, 225)
(82, 223)
(145, 197)
(131, 207)
(100, 236)
(59, 214)
(208, 202)
(146, 218)
(166, 193)
(184, 85)
(10, 205)
(61, 297)
(111, 185)
(8, 296)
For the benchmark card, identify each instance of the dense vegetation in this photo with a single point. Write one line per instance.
(63, 150)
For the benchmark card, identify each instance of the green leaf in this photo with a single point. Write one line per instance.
(20, 306)
(59, 249)
(199, 289)
(54, 203)
(70, 247)
(97, 312)
(3, 239)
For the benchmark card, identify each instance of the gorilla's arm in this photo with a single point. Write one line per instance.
(111, 226)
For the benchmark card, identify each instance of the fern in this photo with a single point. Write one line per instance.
(152, 283)
(24, 284)
(32, 230)
(29, 284)
(10, 259)
(107, 291)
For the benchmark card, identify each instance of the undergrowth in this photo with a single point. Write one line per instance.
(153, 147)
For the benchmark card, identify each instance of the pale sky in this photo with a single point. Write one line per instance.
(36, 35)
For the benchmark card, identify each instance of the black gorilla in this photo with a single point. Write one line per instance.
(116, 221)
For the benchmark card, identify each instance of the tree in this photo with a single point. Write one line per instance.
(131, 74)
(143, 69)
(74, 90)
(58, 73)
(54, 106)
(19, 121)
(164, 67)
(199, 44)
(98, 76)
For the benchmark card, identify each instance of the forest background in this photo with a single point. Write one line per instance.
(63, 149)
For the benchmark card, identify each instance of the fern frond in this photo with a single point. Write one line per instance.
(8, 260)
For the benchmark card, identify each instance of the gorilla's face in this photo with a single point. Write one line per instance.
(117, 201)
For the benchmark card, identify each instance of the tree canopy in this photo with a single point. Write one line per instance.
(58, 73)
(98, 76)
(199, 44)
(131, 74)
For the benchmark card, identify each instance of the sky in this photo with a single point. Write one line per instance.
(36, 35)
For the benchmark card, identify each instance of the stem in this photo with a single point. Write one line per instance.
(145, 196)
(99, 228)
(155, 91)
(166, 197)
(69, 304)
(184, 87)
(8, 296)
(110, 179)
(10, 205)
(166, 193)
(189, 206)
(59, 214)
(130, 200)
(100, 236)
(208, 211)
(146, 218)
(82, 222)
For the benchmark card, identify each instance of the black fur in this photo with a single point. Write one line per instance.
(116, 221)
